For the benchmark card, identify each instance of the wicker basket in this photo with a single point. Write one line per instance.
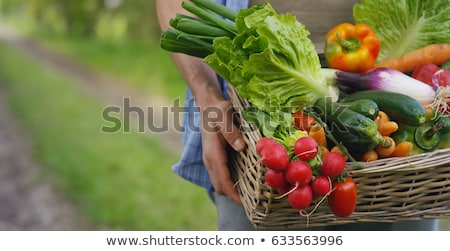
(392, 189)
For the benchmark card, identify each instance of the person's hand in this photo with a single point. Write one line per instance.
(219, 131)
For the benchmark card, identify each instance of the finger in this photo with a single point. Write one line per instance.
(229, 130)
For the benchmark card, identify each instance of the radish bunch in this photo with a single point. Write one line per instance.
(303, 177)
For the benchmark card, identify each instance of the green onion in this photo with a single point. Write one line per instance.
(217, 8)
(210, 16)
(195, 26)
(177, 41)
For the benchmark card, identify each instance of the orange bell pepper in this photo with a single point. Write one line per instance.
(352, 48)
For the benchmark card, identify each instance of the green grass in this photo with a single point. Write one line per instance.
(123, 180)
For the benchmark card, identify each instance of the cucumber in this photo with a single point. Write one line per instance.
(400, 107)
(357, 132)
(366, 107)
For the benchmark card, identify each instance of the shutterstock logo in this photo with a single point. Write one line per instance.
(161, 119)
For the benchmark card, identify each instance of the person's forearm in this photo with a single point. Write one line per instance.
(201, 79)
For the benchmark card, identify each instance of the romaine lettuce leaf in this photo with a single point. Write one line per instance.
(405, 25)
(272, 62)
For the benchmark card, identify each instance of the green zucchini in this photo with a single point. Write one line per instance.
(366, 107)
(400, 107)
(355, 131)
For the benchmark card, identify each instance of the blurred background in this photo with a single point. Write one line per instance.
(62, 65)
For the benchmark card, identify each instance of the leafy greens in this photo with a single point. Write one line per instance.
(405, 25)
(271, 61)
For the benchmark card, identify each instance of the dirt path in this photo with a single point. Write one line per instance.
(28, 198)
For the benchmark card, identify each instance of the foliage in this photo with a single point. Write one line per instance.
(116, 19)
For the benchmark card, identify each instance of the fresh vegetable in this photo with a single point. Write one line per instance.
(433, 53)
(342, 200)
(303, 121)
(442, 101)
(321, 185)
(403, 26)
(444, 132)
(366, 107)
(275, 157)
(387, 128)
(275, 179)
(402, 149)
(298, 173)
(356, 132)
(301, 197)
(263, 143)
(352, 48)
(333, 164)
(306, 148)
(385, 79)
(317, 132)
(400, 107)
(424, 73)
(272, 62)
(370, 155)
(385, 148)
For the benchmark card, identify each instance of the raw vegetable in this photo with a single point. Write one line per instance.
(298, 173)
(366, 107)
(433, 53)
(402, 149)
(301, 197)
(275, 157)
(370, 155)
(275, 179)
(303, 121)
(317, 132)
(403, 26)
(356, 132)
(352, 48)
(400, 108)
(385, 148)
(385, 79)
(342, 200)
(321, 185)
(272, 62)
(333, 164)
(306, 148)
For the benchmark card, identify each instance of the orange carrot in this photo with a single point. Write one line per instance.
(385, 148)
(336, 149)
(402, 149)
(434, 53)
(387, 128)
(370, 155)
(318, 134)
(381, 118)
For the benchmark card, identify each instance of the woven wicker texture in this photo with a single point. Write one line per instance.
(391, 189)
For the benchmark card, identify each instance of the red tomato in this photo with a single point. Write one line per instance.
(342, 200)
(302, 121)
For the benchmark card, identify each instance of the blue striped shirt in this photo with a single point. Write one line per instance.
(190, 165)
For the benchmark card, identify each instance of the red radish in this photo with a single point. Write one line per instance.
(275, 157)
(441, 78)
(424, 72)
(298, 173)
(262, 143)
(301, 197)
(306, 148)
(275, 179)
(284, 190)
(321, 185)
(333, 164)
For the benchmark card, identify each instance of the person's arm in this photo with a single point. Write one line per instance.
(219, 131)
